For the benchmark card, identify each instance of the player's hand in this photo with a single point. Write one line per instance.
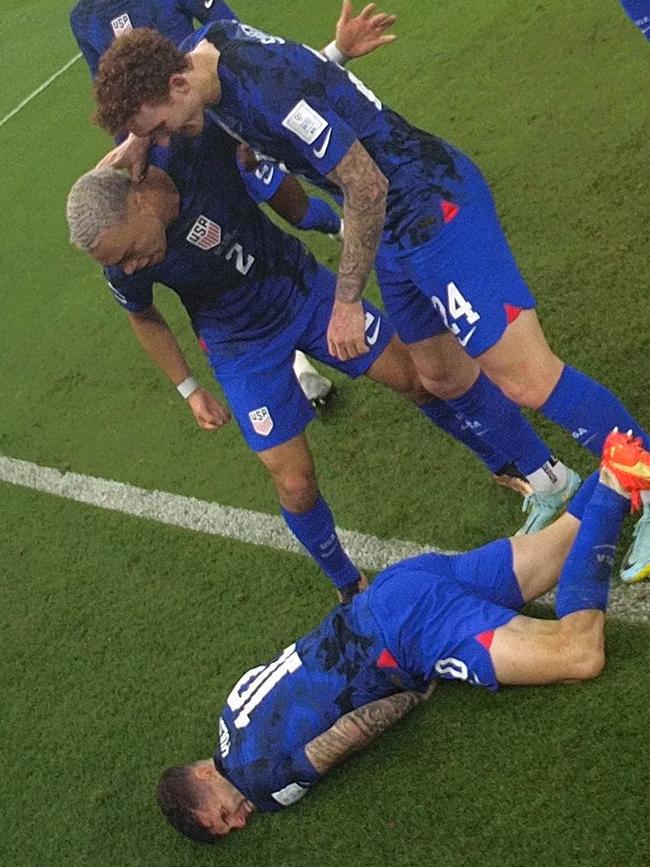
(132, 154)
(356, 36)
(346, 338)
(208, 412)
(246, 157)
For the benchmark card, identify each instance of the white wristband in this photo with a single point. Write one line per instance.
(332, 53)
(187, 387)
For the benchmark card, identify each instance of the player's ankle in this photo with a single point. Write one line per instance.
(609, 480)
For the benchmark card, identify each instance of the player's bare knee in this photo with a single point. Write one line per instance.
(297, 490)
(442, 385)
(528, 391)
(583, 651)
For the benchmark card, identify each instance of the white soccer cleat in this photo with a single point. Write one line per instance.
(316, 388)
(544, 507)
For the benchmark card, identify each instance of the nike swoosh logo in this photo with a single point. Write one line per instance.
(320, 152)
(371, 339)
(208, 4)
(467, 338)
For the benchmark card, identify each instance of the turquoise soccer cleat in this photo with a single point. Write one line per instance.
(636, 563)
(543, 507)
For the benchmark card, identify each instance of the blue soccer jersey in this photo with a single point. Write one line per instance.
(291, 103)
(639, 12)
(427, 618)
(239, 277)
(95, 23)
(274, 710)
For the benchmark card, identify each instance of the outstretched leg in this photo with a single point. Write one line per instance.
(529, 651)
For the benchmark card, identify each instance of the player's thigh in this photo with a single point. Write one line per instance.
(410, 311)
(470, 275)
(395, 369)
(488, 572)
(527, 651)
(538, 557)
(266, 399)
(444, 368)
(379, 330)
(289, 458)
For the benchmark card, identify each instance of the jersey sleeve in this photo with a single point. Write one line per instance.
(293, 98)
(272, 786)
(132, 294)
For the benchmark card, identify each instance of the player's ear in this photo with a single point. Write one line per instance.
(178, 83)
(203, 770)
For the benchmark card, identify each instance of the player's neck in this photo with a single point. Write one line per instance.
(204, 73)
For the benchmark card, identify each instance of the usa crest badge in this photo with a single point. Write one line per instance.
(121, 24)
(205, 233)
(261, 421)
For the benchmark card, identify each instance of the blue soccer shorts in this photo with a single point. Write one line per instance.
(437, 613)
(264, 181)
(260, 386)
(466, 273)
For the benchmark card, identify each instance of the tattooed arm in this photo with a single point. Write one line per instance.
(364, 213)
(357, 729)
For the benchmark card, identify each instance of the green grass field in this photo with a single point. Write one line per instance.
(120, 637)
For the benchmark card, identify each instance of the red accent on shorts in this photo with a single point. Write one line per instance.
(485, 638)
(386, 660)
(203, 345)
(511, 312)
(449, 211)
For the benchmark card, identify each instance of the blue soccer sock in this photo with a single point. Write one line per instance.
(639, 13)
(584, 581)
(320, 217)
(580, 499)
(588, 410)
(500, 424)
(452, 423)
(316, 531)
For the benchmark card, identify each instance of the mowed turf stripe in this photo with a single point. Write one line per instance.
(243, 525)
(629, 603)
(39, 89)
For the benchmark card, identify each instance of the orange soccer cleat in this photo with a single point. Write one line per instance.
(627, 460)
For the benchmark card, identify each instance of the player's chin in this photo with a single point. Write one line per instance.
(194, 127)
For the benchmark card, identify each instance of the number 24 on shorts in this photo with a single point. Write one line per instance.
(457, 308)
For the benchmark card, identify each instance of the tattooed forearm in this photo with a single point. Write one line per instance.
(364, 212)
(358, 728)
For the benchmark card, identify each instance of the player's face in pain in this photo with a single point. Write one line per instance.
(223, 807)
(138, 241)
(180, 114)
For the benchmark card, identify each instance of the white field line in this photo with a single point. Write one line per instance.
(39, 89)
(243, 525)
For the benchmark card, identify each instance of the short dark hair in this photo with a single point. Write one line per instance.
(179, 797)
(134, 71)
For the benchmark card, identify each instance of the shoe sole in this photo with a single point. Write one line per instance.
(639, 576)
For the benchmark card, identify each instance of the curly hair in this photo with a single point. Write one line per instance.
(179, 797)
(134, 71)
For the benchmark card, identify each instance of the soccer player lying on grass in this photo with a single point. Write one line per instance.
(429, 618)
(254, 295)
(639, 12)
(96, 23)
(449, 281)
